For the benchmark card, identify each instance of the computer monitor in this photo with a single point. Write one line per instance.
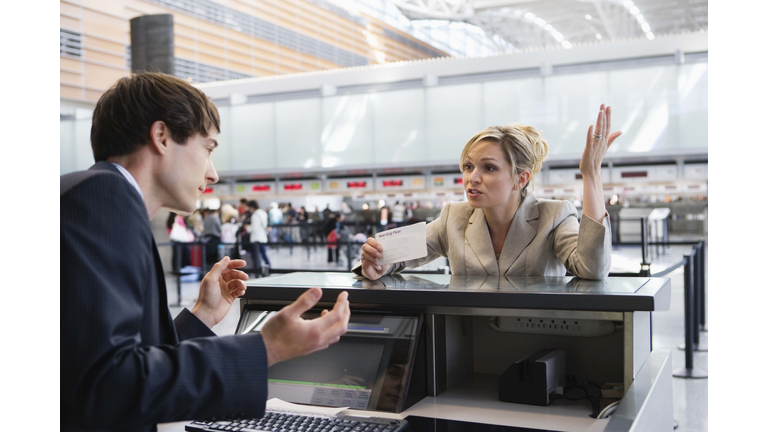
(369, 368)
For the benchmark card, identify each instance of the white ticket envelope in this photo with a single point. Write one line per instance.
(403, 244)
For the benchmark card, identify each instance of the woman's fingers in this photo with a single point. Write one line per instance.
(599, 121)
(372, 251)
(590, 140)
(613, 137)
(373, 243)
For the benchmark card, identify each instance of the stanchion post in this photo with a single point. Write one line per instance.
(702, 296)
(177, 268)
(349, 256)
(644, 239)
(689, 371)
(697, 298)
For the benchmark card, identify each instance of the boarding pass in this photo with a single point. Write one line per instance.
(403, 244)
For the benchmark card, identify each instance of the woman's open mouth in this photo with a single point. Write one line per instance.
(473, 193)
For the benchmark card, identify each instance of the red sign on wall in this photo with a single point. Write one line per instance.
(392, 183)
(292, 186)
(357, 184)
(261, 188)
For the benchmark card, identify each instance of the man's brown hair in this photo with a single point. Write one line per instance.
(124, 115)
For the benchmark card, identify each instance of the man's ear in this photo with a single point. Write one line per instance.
(159, 137)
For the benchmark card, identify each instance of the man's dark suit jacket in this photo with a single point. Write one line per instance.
(125, 364)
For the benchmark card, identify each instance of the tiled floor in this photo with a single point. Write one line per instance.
(689, 395)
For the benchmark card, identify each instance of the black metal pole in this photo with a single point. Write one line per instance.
(349, 256)
(177, 268)
(696, 298)
(688, 294)
(703, 278)
(698, 345)
(645, 269)
(643, 240)
(689, 371)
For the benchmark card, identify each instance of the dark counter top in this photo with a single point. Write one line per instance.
(560, 293)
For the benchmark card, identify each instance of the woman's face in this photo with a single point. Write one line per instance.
(488, 178)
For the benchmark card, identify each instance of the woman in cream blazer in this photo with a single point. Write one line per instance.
(503, 229)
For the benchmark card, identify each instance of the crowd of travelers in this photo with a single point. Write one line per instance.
(250, 229)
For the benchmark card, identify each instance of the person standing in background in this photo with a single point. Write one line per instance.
(327, 212)
(229, 226)
(242, 207)
(398, 213)
(212, 235)
(275, 218)
(257, 228)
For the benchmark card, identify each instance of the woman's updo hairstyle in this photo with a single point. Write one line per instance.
(523, 146)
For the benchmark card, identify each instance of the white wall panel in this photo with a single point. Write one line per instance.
(347, 134)
(66, 147)
(82, 139)
(253, 136)
(399, 133)
(513, 101)
(297, 125)
(658, 108)
(454, 115)
(693, 96)
(222, 155)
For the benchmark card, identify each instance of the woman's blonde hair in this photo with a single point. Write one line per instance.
(524, 148)
(228, 212)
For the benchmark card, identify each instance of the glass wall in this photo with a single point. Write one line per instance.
(659, 109)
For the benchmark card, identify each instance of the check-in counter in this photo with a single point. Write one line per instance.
(471, 329)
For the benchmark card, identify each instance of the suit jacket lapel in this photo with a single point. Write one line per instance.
(521, 232)
(479, 240)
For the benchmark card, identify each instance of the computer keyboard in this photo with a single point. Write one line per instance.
(276, 421)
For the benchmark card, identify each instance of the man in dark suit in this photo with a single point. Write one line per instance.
(125, 364)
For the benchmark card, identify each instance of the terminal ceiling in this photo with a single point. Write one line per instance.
(523, 24)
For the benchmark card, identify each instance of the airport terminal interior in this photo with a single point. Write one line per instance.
(343, 119)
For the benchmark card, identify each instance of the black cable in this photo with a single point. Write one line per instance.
(591, 399)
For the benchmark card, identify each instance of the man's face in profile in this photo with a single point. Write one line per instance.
(186, 171)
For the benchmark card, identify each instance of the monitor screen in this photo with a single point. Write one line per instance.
(367, 369)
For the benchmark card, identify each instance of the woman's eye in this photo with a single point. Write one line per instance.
(467, 166)
(490, 167)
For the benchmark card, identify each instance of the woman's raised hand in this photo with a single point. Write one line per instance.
(370, 251)
(599, 139)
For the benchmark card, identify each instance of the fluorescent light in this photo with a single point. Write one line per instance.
(567, 45)
(628, 4)
(640, 18)
(540, 22)
(529, 16)
(646, 27)
(588, 16)
(599, 36)
(548, 27)
(558, 36)
(634, 10)
(650, 35)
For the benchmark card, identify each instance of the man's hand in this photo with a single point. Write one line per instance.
(287, 335)
(219, 288)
